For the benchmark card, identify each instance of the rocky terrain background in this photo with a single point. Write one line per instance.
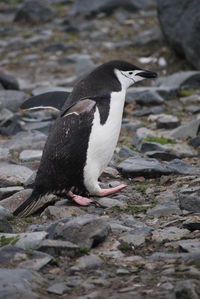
(143, 242)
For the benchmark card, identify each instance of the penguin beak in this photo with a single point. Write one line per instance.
(147, 74)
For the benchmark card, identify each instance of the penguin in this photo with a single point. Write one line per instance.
(84, 136)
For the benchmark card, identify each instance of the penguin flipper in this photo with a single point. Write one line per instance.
(83, 106)
(52, 100)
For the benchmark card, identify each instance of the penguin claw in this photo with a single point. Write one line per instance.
(105, 192)
(80, 200)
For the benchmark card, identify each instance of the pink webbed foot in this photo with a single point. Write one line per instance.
(80, 200)
(105, 192)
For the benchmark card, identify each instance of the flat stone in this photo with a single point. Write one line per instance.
(136, 237)
(12, 175)
(193, 99)
(58, 288)
(14, 201)
(107, 202)
(190, 203)
(58, 212)
(169, 234)
(143, 96)
(30, 155)
(178, 166)
(24, 240)
(5, 226)
(12, 99)
(189, 130)
(12, 256)
(164, 210)
(148, 37)
(8, 81)
(147, 111)
(187, 289)
(4, 154)
(8, 191)
(126, 152)
(4, 213)
(87, 262)
(59, 247)
(190, 245)
(19, 283)
(26, 140)
(161, 155)
(86, 230)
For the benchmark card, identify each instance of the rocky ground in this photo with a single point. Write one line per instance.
(141, 243)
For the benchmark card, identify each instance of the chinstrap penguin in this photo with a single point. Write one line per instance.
(82, 141)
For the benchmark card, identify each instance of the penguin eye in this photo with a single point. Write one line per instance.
(130, 73)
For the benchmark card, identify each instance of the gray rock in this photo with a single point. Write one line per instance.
(126, 152)
(8, 81)
(35, 12)
(161, 155)
(87, 231)
(4, 154)
(144, 96)
(59, 247)
(195, 142)
(184, 42)
(19, 283)
(189, 130)
(147, 146)
(15, 200)
(192, 109)
(42, 89)
(87, 262)
(5, 226)
(177, 81)
(171, 233)
(190, 245)
(180, 167)
(58, 212)
(164, 210)
(192, 223)
(26, 140)
(107, 202)
(136, 237)
(12, 99)
(147, 37)
(148, 111)
(8, 191)
(13, 175)
(133, 167)
(30, 155)
(190, 203)
(86, 7)
(167, 122)
(186, 289)
(193, 99)
(140, 135)
(59, 288)
(12, 256)
(130, 126)
(4, 213)
(24, 240)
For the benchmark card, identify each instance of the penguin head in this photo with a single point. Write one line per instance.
(128, 73)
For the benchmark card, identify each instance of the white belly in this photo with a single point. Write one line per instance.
(103, 140)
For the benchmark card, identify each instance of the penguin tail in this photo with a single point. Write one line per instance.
(29, 206)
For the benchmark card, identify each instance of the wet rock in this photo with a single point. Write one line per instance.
(190, 203)
(107, 202)
(87, 8)
(167, 122)
(190, 245)
(87, 230)
(8, 81)
(136, 237)
(59, 247)
(19, 283)
(164, 210)
(12, 256)
(189, 130)
(169, 234)
(185, 43)
(59, 288)
(24, 240)
(12, 202)
(8, 191)
(12, 99)
(30, 155)
(143, 96)
(177, 81)
(12, 175)
(26, 140)
(186, 289)
(87, 262)
(35, 12)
